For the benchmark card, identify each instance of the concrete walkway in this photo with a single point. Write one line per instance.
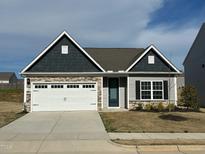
(129, 136)
(58, 132)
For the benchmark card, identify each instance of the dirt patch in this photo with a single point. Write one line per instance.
(151, 122)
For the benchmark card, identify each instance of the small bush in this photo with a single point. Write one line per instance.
(189, 98)
(170, 107)
(140, 106)
(160, 107)
(148, 107)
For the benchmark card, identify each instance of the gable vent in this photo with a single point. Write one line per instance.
(64, 49)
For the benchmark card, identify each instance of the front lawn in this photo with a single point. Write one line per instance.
(10, 105)
(138, 122)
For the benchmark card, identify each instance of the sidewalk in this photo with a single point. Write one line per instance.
(132, 136)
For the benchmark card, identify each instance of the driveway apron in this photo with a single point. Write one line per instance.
(58, 132)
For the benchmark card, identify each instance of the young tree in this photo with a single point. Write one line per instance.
(189, 98)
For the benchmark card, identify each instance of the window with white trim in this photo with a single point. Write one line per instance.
(64, 49)
(157, 89)
(150, 59)
(146, 90)
(151, 90)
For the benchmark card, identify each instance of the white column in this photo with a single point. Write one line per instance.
(128, 104)
(175, 90)
(25, 89)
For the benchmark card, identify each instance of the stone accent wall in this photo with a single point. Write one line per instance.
(27, 104)
(134, 104)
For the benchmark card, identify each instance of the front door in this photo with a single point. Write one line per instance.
(113, 92)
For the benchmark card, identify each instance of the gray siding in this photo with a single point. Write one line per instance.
(194, 72)
(171, 84)
(159, 66)
(122, 92)
(54, 61)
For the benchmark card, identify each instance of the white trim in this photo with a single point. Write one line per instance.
(175, 91)
(55, 82)
(128, 86)
(48, 47)
(102, 97)
(151, 90)
(113, 107)
(25, 91)
(96, 73)
(158, 52)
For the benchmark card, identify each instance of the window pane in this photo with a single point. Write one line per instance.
(145, 85)
(146, 94)
(157, 85)
(157, 94)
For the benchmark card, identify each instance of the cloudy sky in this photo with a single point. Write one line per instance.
(28, 26)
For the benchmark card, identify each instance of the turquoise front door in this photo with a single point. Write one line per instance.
(113, 92)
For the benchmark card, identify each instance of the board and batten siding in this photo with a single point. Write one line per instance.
(122, 92)
(172, 97)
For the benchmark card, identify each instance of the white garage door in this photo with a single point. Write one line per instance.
(64, 97)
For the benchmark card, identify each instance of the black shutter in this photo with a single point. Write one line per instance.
(166, 89)
(137, 89)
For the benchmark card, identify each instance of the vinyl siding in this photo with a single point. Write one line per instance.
(54, 61)
(159, 66)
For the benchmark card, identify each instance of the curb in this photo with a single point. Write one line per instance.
(191, 147)
(172, 148)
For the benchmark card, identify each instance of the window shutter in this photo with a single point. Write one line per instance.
(166, 89)
(137, 89)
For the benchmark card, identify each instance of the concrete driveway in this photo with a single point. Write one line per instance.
(58, 132)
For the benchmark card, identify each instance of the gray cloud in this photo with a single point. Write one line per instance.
(30, 25)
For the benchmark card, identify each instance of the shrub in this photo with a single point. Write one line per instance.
(139, 106)
(160, 107)
(189, 98)
(171, 107)
(148, 107)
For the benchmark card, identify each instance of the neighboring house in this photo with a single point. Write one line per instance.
(66, 76)
(194, 65)
(8, 78)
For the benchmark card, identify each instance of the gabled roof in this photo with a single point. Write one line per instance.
(158, 52)
(48, 47)
(115, 59)
(107, 59)
(6, 75)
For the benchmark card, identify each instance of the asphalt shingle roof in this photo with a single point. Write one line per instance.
(5, 75)
(115, 59)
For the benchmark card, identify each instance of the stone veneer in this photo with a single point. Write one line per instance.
(134, 104)
(27, 104)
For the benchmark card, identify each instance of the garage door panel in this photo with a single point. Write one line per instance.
(64, 98)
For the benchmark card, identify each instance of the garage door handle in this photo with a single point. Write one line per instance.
(35, 90)
(92, 90)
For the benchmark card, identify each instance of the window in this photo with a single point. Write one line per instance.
(56, 86)
(146, 90)
(157, 90)
(41, 86)
(151, 90)
(150, 59)
(64, 49)
(88, 86)
(72, 86)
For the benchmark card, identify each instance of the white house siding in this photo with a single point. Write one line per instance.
(172, 98)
